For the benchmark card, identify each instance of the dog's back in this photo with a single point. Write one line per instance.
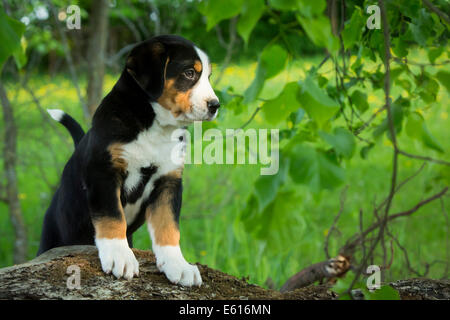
(69, 203)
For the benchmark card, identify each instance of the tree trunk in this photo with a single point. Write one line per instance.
(12, 193)
(96, 53)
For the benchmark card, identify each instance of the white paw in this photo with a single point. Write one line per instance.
(170, 260)
(117, 257)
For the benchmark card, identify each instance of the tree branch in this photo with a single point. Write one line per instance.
(433, 8)
(333, 226)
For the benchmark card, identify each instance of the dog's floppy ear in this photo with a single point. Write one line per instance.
(146, 64)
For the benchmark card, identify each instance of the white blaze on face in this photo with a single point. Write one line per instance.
(202, 91)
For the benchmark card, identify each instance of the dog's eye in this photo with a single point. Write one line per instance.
(189, 73)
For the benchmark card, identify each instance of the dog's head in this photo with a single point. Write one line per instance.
(175, 74)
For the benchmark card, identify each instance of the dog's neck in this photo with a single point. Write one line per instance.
(165, 118)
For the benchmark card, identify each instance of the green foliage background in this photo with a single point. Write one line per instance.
(245, 224)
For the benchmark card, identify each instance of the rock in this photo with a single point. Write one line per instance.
(47, 277)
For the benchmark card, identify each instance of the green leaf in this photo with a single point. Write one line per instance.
(271, 61)
(253, 90)
(359, 99)
(271, 223)
(306, 7)
(310, 8)
(384, 293)
(265, 192)
(435, 53)
(318, 29)
(364, 152)
(284, 5)
(279, 108)
(428, 87)
(397, 117)
(237, 106)
(250, 14)
(266, 188)
(417, 129)
(216, 11)
(353, 29)
(341, 287)
(314, 168)
(422, 26)
(319, 106)
(444, 79)
(297, 116)
(10, 33)
(20, 57)
(405, 84)
(342, 141)
(400, 47)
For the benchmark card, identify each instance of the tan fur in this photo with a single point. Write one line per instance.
(175, 101)
(116, 150)
(162, 219)
(182, 100)
(111, 228)
(198, 66)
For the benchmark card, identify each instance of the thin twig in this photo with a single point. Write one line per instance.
(413, 156)
(361, 232)
(405, 61)
(251, 118)
(401, 184)
(333, 226)
(433, 8)
(405, 255)
(369, 121)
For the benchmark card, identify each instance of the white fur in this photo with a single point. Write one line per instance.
(164, 117)
(151, 147)
(170, 260)
(117, 257)
(56, 114)
(202, 92)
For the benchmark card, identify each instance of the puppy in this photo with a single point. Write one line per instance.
(121, 174)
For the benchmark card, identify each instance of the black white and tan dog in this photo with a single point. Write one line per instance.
(121, 175)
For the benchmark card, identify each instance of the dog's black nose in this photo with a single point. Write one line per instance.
(213, 105)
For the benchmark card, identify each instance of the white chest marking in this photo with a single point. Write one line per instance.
(157, 146)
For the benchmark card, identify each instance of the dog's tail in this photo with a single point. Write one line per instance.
(70, 123)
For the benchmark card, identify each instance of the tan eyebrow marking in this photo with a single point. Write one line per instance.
(198, 66)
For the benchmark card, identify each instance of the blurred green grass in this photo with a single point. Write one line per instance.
(214, 195)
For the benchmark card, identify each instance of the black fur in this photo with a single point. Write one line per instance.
(89, 182)
(74, 128)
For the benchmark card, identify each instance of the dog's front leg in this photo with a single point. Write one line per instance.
(110, 228)
(162, 220)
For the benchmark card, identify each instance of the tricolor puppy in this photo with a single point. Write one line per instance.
(122, 174)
